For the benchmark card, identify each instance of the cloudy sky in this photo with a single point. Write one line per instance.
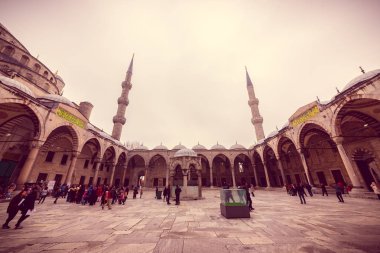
(189, 79)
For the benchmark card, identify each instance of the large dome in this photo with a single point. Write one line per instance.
(17, 85)
(179, 146)
(199, 147)
(237, 146)
(362, 78)
(185, 152)
(217, 146)
(56, 98)
(160, 147)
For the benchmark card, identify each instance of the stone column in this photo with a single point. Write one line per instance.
(71, 169)
(27, 168)
(113, 168)
(233, 176)
(255, 173)
(167, 176)
(146, 177)
(211, 178)
(279, 165)
(347, 163)
(124, 172)
(199, 184)
(96, 172)
(305, 167)
(266, 175)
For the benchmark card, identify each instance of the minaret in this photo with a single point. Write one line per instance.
(253, 103)
(119, 119)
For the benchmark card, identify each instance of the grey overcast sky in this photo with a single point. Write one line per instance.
(189, 79)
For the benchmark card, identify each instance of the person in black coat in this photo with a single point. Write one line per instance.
(14, 207)
(177, 193)
(26, 207)
(301, 193)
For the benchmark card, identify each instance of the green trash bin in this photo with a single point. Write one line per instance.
(158, 194)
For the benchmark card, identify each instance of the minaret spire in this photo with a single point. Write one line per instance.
(253, 103)
(119, 119)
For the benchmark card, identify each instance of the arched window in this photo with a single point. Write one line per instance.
(8, 50)
(37, 67)
(24, 60)
(46, 74)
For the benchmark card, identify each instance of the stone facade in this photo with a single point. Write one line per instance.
(45, 136)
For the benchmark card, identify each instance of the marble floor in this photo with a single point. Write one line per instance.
(279, 223)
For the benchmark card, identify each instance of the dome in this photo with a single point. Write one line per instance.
(217, 146)
(57, 98)
(199, 147)
(362, 78)
(185, 152)
(237, 146)
(141, 147)
(160, 147)
(179, 146)
(17, 85)
(59, 78)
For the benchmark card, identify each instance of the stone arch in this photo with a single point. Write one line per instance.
(120, 169)
(136, 163)
(205, 170)
(259, 167)
(19, 131)
(274, 174)
(290, 160)
(244, 173)
(156, 171)
(222, 169)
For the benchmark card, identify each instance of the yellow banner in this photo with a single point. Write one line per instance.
(70, 118)
(305, 116)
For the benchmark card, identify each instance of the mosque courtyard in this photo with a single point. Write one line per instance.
(279, 223)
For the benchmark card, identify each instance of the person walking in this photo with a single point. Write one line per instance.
(14, 207)
(164, 193)
(308, 188)
(106, 198)
(168, 195)
(156, 197)
(177, 194)
(141, 191)
(27, 207)
(43, 195)
(324, 190)
(301, 193)
(248, 196)
(57, 192)
(376, 189)
(339, 191)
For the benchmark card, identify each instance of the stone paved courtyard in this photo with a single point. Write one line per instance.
(278, 224)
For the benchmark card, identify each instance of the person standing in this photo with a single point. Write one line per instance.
(156, 197)
(177, 194)
(324, 190)
(106, 198)
(375, 189)
(14, 207)
(168, 195)
(57, 192)
(27, 207)
(301, 193)
(308, 188)
(164, 193)
(141, 191)
(339, 191)
(248, 196)
(43, 195)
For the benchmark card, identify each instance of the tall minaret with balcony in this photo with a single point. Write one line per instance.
(119, 119)
(253, 103)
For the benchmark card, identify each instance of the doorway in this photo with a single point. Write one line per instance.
(366, 173)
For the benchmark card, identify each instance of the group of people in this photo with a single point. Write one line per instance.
(299, 190)
(167, 194)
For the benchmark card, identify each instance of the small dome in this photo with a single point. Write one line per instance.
(141, 147)
(185, 152)
(59, 78)
(179, 146)
(160, 147)
(17, 85)
(57, 98)
(217, 146)
(362, 78)
(237, 146)
(199, 147)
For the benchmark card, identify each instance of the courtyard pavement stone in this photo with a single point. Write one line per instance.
(279, 223)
